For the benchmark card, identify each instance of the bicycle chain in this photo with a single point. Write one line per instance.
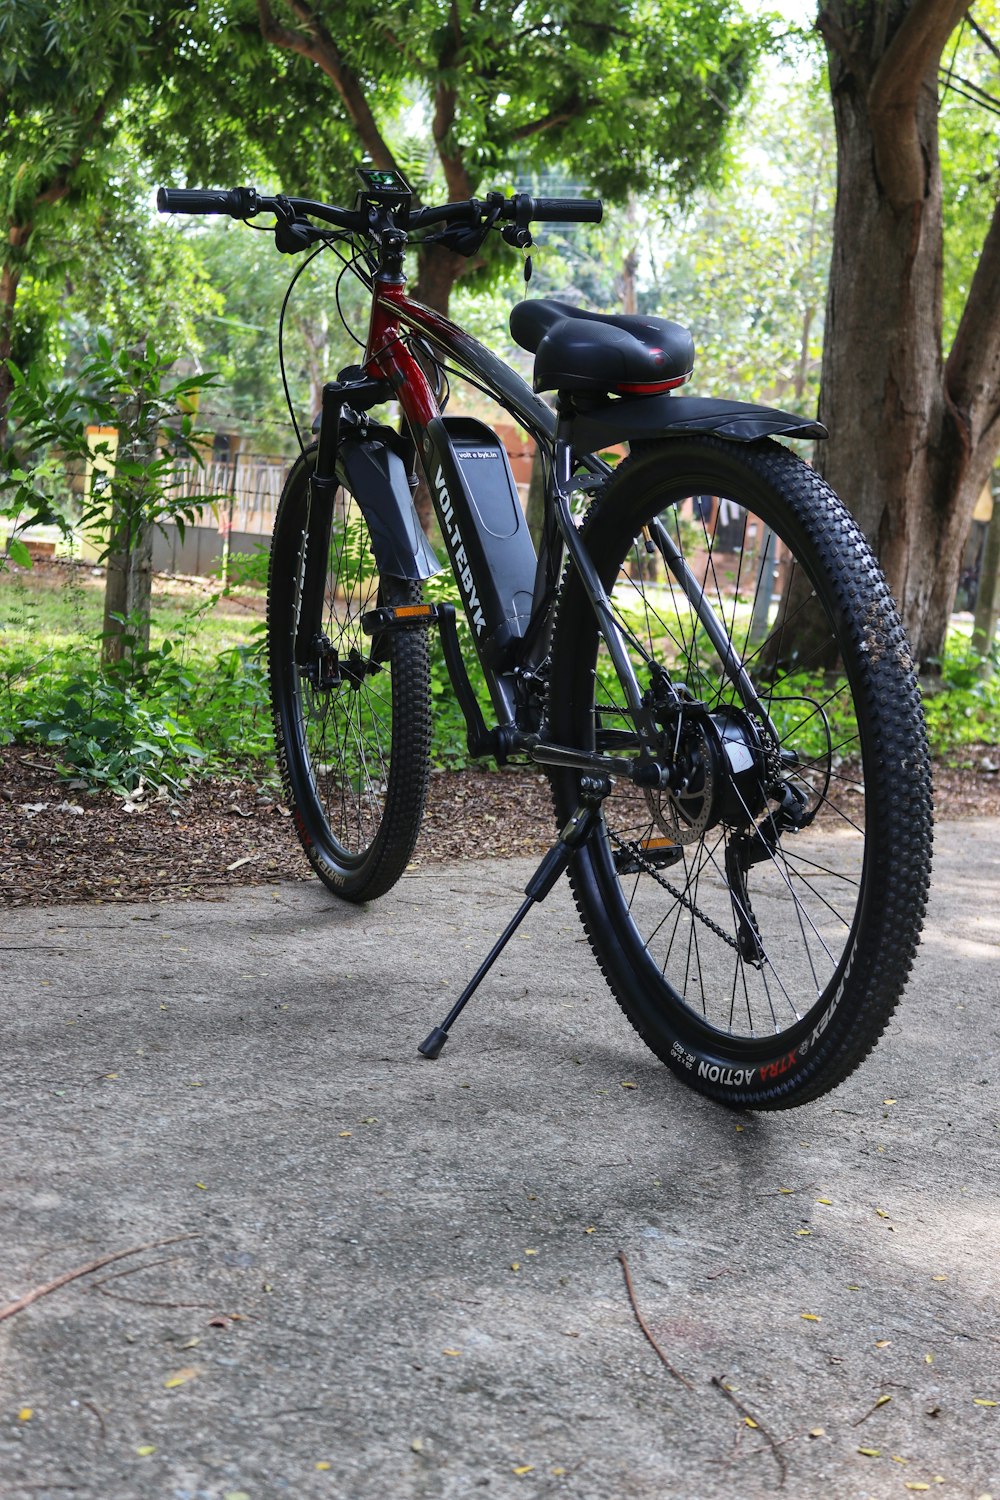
(633, 852)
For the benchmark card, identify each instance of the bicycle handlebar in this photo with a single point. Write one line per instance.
(561, 210)
(244, 202)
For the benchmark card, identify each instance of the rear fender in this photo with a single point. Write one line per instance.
(673, 416)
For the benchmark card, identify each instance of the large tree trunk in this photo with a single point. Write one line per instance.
(437, 273)
(909, 449)
(988, 594)
(10, 276)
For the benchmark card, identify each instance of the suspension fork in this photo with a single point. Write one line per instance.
(318, 527)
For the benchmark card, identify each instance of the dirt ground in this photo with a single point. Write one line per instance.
(57, 844)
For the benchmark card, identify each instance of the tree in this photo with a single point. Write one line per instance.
(636, 93)
(133, 487)
(914, 427)
(60, 77)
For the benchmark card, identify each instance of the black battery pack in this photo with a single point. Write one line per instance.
(485, 532)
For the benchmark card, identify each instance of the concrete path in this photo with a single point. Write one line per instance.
(401, 1279)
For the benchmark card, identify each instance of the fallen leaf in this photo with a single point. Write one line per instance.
(590, 1230)
(786, 1190)
(870, 1452)
(827, 1201)
(888, 1101)
(557, 1472)
(203, 1186)
(625, 1085)
(750, 1422)
(939, 1278)
(882, 1343)
(897, 1460)
(515, 1265)
(323, 1464)
(181, 1377)
(810, 1318)
(881, 1213)
(25, 1414)
(882, 1400)
(928, 1359)
(453, 1352)
(817, 1432)
(915, 1484)
(344, 1135)
(417, 1445)
(982, 1401)
(803, 1231)
(145, 1450)
(523, 1469)
(531, 1252)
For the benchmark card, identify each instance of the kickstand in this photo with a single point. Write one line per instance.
(576, 832)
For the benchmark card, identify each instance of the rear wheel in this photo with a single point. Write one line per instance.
(757, 916)
(351, 708)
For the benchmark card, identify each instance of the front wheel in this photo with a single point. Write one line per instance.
(757, 912)
(351, 708)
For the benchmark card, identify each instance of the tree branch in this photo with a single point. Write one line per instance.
(318, 45)
(972, 370)
(569, 111)
(900, 74)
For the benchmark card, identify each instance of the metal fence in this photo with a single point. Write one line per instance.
(250, 487)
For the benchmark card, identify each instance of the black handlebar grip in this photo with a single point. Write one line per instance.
(567, 210)
(240, 203)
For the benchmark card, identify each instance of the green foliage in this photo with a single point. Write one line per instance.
(962, 705)
(970, 157)
(129, 390)
(156, 717)
(246, 569)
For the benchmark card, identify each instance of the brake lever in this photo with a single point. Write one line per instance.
(292, 233)
(468, 240)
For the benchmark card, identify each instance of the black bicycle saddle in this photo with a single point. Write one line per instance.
(577, 350)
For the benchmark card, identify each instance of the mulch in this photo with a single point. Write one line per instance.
(60, 844)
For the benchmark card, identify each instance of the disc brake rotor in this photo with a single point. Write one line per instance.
(684, 814)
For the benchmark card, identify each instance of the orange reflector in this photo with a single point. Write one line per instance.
(409, 611)
(658, 844)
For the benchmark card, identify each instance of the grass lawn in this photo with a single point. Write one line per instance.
(59, 606)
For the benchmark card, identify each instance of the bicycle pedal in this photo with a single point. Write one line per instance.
(660, 853)
(398, 617)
